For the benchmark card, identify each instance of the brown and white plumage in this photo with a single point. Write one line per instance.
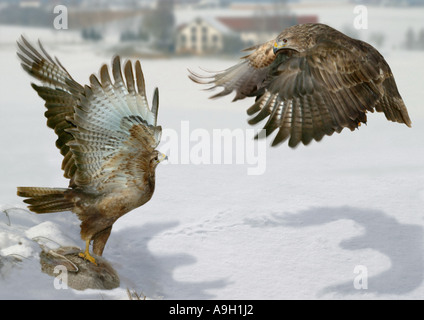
(311, 81)
(107, 134)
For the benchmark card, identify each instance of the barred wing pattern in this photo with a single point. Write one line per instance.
(244, 78)
(306, 95)
(105, 129)
(114, 130)
(308, 99)
(58, 91)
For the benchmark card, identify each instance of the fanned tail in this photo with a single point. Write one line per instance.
(45, 200)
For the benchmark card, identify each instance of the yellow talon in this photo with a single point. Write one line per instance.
(86, 254)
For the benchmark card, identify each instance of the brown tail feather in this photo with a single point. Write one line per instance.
(45, 200)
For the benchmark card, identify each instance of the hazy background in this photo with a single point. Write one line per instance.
(299, 230)
(159, 27)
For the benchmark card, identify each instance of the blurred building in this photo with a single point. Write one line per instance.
(201, 36)
(211, 35)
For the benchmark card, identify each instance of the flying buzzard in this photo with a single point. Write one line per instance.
(107, 135)
(310, 81)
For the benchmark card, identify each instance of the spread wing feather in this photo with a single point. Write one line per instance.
(58, 91)
(114, 131)
(245, 78)
(309, 94)
(104, 130)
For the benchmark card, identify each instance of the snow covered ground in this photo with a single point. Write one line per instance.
(315, 222)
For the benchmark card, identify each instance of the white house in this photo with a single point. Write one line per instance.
(200, 36)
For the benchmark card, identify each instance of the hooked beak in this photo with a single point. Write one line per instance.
(162, 157)
(279, 45)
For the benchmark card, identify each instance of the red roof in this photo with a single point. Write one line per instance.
(307, 19)
(268, 23)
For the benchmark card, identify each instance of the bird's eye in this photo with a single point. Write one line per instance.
(284, 40)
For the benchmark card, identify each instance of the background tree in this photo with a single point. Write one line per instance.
(420, 40)
(159, 24)
(410, 39)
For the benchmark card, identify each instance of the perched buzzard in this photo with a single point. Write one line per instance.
(107, 135)
(310, 81)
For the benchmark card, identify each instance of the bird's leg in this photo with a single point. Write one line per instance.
(99, 241)
(86, 254)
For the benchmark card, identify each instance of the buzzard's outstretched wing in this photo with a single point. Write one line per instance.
(309, 94)
(245, 78)
(59, 92)
(106, 131)
(326, 89)
(115, 131)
